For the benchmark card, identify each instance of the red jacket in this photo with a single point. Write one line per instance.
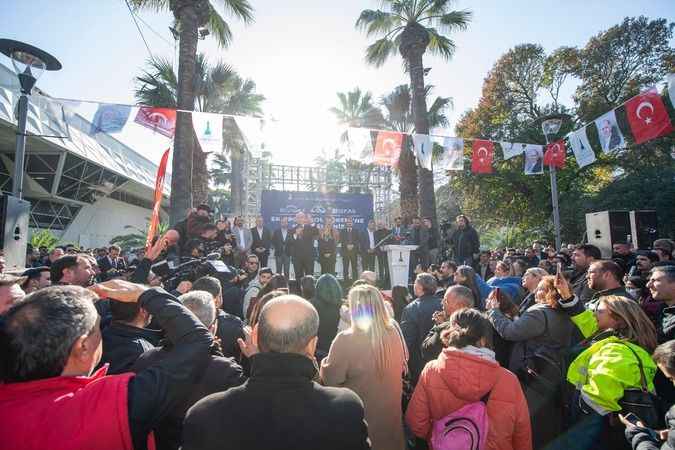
(456, 379)
(67, 413)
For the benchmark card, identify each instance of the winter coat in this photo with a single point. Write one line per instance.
(123, 344)
(456, 379)
(351, 364)
(329, 318)
(465, 244)
(608, 367)
(530, 332)
(416, 321)
(644, 439)
(278, 408)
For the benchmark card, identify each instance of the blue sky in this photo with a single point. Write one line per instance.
(299, 52)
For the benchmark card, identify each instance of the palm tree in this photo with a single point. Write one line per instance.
(399, 117)
(411, 27)
(220, 171)
(356, 109)
(190, 15)
(218, 89)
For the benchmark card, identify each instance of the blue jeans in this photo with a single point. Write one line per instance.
(587, 429)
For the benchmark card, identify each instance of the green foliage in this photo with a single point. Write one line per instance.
(523, 86)
(43, 238)
(136, 239)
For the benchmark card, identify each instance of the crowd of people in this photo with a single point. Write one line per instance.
(533, 348)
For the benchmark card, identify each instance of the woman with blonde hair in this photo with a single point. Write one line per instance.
(613, 366)
(370, 358)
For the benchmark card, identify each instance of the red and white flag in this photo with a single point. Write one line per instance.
(161, 120)
(483, 154)
(647, 116)
(159, 189)
(388, 148)
(555, 154)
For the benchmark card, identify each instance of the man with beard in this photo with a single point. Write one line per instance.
(644, 262)
(464, 241)
(74, 270)
(582, 258)
(661, 285)
(605, 278)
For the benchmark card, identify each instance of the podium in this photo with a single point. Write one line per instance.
(398, 258)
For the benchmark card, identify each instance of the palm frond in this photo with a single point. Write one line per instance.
(455, 21)
(379, 51)
(154, 5)
(375, 22)
(440, 45)
(240, 9)
(219, 28)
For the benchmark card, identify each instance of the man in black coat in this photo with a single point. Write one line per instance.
(582, 258)
(464, 241)
(350, 240)
(280, 407)
(305, 233)
(219, 375)
(417, 320)
(111, 265)
(282, 241)
(381, 233)
(262, 241)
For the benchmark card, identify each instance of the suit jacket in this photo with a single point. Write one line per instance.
(365, 241)
(303, 245)
(244, 246)
(264, 241)
(105, 264)
(282, 247)
(381, 234)
(350, 237)
(488, 273)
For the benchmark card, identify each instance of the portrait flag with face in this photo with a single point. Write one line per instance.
(511, 149)
(534, 159)
(453, 153)
(647, 116)
(609, 134)
(423, 150)
(583, 152)
(483, 154)
(555, 154)
(360, 143)
(388, 148)
(161, 120)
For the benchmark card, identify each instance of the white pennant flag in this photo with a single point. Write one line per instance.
(609, 133)
(583, 152)
(511, 149)
(671, 88)
(453, 152)
(360, 143)
(252, 130)
(209, 130)
(423, 150)
(534, 159)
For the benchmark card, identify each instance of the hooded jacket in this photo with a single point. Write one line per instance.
(457, 379)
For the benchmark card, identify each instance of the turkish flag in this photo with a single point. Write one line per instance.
(388, 148)
(647, 116)
(161, 120)
(555, 154)
(483, 154)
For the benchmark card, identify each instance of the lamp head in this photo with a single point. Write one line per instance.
(29, 62)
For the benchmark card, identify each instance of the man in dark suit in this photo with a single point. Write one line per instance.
(349, 239)
(262, 241)
(482, 268)
(303, 246)
(381, 233)
(399, 231)
(368, 247)
(111, 264)
(282, 241)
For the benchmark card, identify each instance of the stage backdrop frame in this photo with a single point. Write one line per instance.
(278, 204)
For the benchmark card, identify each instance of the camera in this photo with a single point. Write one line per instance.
(190, 269)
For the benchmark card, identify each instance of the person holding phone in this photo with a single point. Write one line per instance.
(638, 435)
(614, 358)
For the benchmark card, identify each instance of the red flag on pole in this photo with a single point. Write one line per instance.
(555, 154)
(483, 154)
(647, 116)
(388, 148)
(159, 189)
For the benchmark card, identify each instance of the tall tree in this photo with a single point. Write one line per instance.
(190, 15)
(410, 27)
(218, 89)
(356, 109)
(398, 116)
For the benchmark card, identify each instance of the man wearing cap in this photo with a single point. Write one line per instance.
(10, 291)
(36, 278)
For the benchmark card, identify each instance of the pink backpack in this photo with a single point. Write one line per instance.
(464, 429)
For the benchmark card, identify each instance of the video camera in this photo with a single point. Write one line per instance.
(190, 269)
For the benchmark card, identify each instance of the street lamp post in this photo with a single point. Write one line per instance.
(29, 62)
(550, 125)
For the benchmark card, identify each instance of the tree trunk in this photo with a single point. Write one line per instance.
(200, 175)
(237, 181)
(414, 42)
(190, 14)
(407, 182)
